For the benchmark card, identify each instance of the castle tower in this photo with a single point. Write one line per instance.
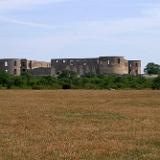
(113, 65)
(11, 66)
(134, 67)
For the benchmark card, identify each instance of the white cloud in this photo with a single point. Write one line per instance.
(111, 32)
(107, 29)
(22, 4)
(24, 23)
(154, 12)
(6, 6)
(133, 35)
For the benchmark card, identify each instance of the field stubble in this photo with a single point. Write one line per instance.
(79, 124)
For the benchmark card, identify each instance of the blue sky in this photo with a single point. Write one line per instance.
(45, 29)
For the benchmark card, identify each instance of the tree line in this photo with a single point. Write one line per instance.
(69, 80)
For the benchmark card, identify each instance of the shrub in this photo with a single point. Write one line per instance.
(68, 80)
(37, 87)
(156, 83)
(66, 86)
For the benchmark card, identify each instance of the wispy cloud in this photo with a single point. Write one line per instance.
(24, 23)
(154, 11)
(22, 4)
(132, 36)
(148, 21)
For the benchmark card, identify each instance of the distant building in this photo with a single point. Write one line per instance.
(11, 66)
(19, 66)
(81, 66)
(36, 68)
(97, 66)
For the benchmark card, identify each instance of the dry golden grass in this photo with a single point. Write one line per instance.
(78, 124)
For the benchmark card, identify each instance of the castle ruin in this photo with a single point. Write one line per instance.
(82, 66)
(97, 66)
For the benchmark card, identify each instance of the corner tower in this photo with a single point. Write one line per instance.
(134, 67)
(113, 65)
(11, 66)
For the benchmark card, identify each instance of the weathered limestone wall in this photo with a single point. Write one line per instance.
(89, 66)
(42, 71)
(30, 64)
(38, 64)
(134, 67)
(113, 65)
(94, 66)
(80, 66)
(12, 66)
(25, 65)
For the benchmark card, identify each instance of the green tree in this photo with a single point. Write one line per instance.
(67, 74)
(152, 68)
(6, 80)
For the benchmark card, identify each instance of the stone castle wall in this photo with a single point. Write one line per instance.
(89, 66)
(80, 66)
(134, 67)
(96, 66)
(39, 64)
(11, 66)
(113, 65)
(19, 66)
(42, 71)
(29, 65)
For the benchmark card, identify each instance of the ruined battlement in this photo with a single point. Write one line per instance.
(15, 66)
(107, 65)
(11, 66)
(116, 65)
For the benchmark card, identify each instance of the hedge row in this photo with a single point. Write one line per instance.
(69, 80)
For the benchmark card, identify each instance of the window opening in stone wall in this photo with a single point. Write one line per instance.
(64, 61)
(119, 61)
(6, 70)
(136, 64)
(56, 61)
(23, 64)
(15, 63)
(108, 61)
(15, 71)
(30, 64)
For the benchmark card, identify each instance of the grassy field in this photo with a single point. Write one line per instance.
(79, 125)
